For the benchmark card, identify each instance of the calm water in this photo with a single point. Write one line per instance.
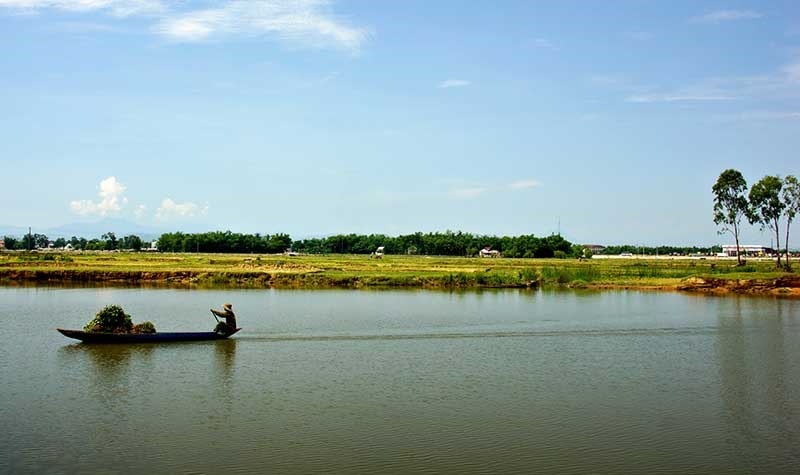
(404, 382)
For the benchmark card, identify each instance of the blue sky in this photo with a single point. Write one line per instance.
(313, 117)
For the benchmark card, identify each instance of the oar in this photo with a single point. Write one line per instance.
(215, 316)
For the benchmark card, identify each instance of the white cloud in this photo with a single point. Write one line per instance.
(719, 16)
(170, 209)
(301, 22)
(308, 23)
(193, 26)
(523, 184)
(111, 199)
(453, 83)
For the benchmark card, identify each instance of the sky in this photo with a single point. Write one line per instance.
(608, 122)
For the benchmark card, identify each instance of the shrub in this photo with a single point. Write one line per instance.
(528, 274)
(111, 319)
(144, 327)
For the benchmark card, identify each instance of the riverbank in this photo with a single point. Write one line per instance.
(356, 271)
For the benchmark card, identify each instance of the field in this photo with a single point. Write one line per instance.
(357, 271)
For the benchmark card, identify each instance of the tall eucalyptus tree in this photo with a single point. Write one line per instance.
(730, 204)
(766, 206)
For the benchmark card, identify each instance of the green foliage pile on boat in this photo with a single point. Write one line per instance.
(221, 327)
(144, 327)
(113, 319)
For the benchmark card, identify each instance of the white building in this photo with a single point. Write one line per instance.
(748, 250)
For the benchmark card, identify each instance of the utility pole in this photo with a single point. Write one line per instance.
(30, 239)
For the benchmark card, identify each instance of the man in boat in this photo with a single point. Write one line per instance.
(228, 315)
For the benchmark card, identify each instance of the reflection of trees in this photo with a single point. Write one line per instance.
(108, 368)
(754, 378)
(735, 377)
(777, 375)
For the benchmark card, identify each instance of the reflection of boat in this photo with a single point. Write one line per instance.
(160, 337)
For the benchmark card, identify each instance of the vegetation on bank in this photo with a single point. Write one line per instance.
(417, 244)
(107, 242)
(357, 271)
(432, 244)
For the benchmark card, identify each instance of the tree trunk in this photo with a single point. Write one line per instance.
(736, 238)
(778, 241)
(786, 244)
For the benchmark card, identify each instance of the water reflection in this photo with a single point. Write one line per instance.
(223, 378)
(109, 368)
(380, 382)
(734, 372)
(754, 375)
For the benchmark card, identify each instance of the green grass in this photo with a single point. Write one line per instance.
(319, 271)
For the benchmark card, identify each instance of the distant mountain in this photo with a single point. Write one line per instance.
(89, 230)
(119, 227)
(8, 230)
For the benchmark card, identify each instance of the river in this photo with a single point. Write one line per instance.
(347, 381)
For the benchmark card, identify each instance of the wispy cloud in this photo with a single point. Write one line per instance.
(543, 43)
(82, 27)
(140, 211)
(121, 8)
(523, 184)
(461, 189)
(609, 80)
(783, 83)
(792, 72)
(678, 97)
(719, 16)
(761, 116)
(467, 193)
(446, 84)
(169, 209)
(303, 23)
(329, 77)
(638, 35)
(110, 201)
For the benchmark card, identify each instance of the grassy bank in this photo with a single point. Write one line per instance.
(351, 271)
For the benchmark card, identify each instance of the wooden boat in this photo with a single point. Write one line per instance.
(159, 337)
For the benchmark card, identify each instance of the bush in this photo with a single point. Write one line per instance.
(111, 319)
(144, 327)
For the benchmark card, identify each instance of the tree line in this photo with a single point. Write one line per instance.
(447, 243)
(224, 242)
(769, 202)
(107, 242)
(435, 243)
